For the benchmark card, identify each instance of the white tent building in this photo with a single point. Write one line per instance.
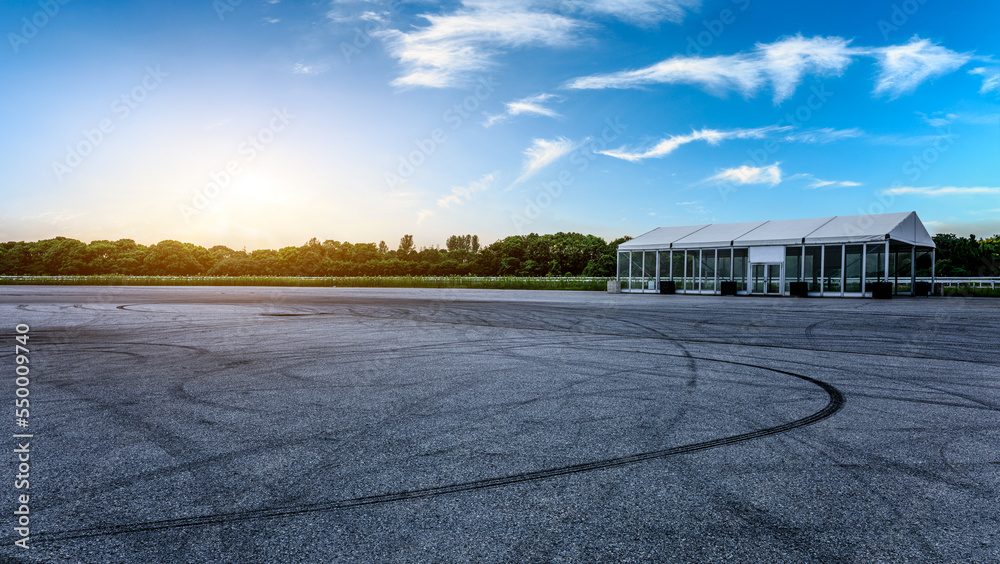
(825, 256)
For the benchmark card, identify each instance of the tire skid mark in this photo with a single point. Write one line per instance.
(835, 403)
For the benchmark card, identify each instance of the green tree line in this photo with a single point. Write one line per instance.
(559, 254)
(957, 256)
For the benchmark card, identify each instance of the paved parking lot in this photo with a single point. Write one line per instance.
(176, 424)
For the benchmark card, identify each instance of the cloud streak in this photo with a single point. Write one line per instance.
(469, 40)
(542, 153)
(668, 145)
(816, 183)
(530, 105)
(782, 64)
(461, 194)
(941, 190)
(455, 46)
(824, 135)
(639, 12)
(991, 79)
(904, 67)
(785, 63)
(770, 174)
(711, 136)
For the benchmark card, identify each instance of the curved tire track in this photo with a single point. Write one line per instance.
(835, 403)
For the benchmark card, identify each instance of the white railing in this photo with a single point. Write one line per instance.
(974, 282)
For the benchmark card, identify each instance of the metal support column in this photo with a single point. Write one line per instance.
(887, 261)
(864, 267)
(933, 268)
(656, 273)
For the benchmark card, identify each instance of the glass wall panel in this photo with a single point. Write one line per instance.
(725, 271)
(664, 266)
(708, 270)
(899, 265)
(875, 264)
(691, 278)
(741, 262)
(923, 263)
(758, 279)
(623, 266)
(813, 267)
(833, 268)
(677, 258)
(774, 279)
(635, 275)
(649, 270)
(852, 267)
(793, 266)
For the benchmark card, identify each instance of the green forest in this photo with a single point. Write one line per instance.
(559, 254)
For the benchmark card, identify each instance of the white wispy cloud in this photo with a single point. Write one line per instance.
(898, 140)
(941, 190)
(715, 74)
(770, 174)
(788, 60)
(715, 136)
(461, 194)
(991, 79)
(542, 153)
(314, 69)
(820, 183)
(362, 10)
(783, 64)
(824, 135)
(942, 120)
(454, 46)
(470, 39)
(640, 12)
(693, 207)
(529, 105)
(937, 119)
(711, 136)
(904, 67)
(815, 183)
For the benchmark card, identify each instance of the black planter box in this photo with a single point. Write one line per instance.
(667, 287)
(798, 289)
(727, 288)
(922, 289)
(881, 290)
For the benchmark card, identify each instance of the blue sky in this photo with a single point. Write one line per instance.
(266, 123)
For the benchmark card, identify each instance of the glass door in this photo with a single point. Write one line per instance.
(765, 279)
(758, 280)
(774, 279)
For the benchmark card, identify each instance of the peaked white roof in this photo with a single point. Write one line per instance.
(903, 227)
(717, 235)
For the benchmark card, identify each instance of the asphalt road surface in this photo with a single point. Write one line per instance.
(176, 424)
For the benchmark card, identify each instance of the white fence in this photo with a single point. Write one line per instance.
(952, 281)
